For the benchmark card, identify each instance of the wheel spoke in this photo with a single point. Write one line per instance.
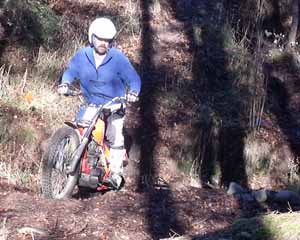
(59, 182)
(56, 183)
(63, 156)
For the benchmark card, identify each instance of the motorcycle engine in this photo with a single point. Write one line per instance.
(97, 171)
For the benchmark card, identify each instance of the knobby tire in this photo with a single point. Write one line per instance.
(65, 137)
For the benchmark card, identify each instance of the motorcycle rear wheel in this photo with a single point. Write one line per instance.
(56, 183)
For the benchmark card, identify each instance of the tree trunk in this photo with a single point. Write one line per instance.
(294, 26)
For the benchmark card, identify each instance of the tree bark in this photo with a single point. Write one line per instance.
(294, 25)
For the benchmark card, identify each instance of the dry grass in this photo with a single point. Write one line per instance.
(19, 162)
(41, 83)
(257, 154)
(19, 178)
(3, 230)
(130, 26)
(50, 64)
(4, 80)
(34, 111)
(44, 100)
(270, 166)
(19, 153)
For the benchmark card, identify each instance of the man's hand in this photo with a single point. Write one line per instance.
(132, 96)
(63, 89)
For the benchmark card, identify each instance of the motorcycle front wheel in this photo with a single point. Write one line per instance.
(56, 183)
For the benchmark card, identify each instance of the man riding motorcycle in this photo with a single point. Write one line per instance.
(103, 73)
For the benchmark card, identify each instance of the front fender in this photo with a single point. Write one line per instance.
(73, 125)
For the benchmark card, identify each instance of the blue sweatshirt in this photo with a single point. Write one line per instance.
(110, 80)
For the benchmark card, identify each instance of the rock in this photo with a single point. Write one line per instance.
(247, 197)
(287, 196)
(238, 196)
(245, 235)
(235, 188)
(260, 195)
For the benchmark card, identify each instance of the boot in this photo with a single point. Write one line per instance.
(114, 181)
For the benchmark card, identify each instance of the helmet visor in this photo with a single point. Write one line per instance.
(95, 37)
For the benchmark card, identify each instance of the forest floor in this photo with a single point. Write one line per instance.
(155, 213)
(127, 214)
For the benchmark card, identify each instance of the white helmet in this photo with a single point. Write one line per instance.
(102, 28)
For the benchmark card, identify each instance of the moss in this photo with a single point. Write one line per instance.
(272, 226)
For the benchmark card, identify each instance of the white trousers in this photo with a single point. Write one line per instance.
(115, 137)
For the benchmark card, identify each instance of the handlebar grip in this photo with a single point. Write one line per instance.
(73, 92)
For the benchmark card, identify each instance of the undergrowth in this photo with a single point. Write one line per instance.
(31, 110)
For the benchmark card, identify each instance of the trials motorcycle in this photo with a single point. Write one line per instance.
(78, 154)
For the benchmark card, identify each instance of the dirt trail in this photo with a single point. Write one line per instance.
(118, 215)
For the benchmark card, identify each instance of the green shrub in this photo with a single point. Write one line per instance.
(31, 21)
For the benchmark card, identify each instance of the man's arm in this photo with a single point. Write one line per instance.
(69, 76)
(71, 73)
(130, 76)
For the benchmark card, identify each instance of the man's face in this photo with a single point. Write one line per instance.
(100, 45)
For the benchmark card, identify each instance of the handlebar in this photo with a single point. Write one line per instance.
(73, 92)
(115, 99)
(76, 92)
